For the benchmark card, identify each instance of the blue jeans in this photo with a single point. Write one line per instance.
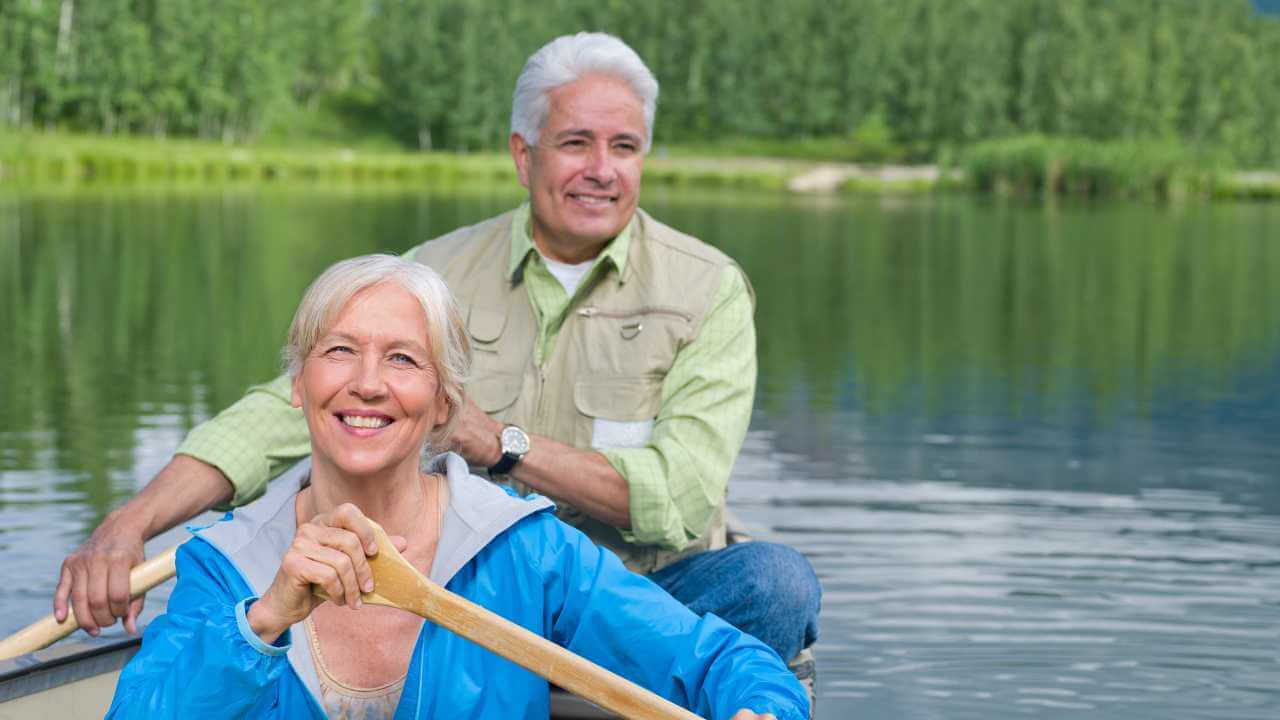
(761, 588)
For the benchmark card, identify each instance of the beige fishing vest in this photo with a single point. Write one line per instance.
(609, 358)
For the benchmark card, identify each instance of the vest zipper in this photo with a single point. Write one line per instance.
(592, 311)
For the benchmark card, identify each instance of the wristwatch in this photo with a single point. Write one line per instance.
(515, 443)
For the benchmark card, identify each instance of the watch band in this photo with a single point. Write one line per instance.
(504, 465)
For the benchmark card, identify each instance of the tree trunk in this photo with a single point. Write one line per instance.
(64, 33)
(424, 138)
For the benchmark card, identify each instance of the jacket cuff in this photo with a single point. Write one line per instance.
(279, 647)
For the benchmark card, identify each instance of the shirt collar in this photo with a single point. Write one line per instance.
(522, 244)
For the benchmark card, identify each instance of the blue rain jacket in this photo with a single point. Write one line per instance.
(201, 660)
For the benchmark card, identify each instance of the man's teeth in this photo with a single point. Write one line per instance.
(365, 421)
(590, 200)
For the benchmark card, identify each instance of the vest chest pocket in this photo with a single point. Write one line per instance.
(628, 343)
(622, 410)
(495, 375)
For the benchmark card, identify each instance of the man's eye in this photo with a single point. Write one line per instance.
(626, 148)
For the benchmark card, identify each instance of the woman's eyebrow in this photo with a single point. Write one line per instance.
(408, 345)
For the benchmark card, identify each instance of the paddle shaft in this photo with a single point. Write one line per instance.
(543, 657)
(46, 631)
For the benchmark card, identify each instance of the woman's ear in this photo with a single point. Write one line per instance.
(295, 394)
(443, 412)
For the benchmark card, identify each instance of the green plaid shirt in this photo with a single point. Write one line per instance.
(676, 481)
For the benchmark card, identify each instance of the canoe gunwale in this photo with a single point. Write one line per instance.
(63, 664)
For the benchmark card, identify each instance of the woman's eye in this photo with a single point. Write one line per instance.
(339, 350)
(402, 359)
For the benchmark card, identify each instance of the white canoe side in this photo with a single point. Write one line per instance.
(70, 680)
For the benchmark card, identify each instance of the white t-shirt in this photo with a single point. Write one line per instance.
(570, 276)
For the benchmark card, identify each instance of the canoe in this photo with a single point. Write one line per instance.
(76, 679)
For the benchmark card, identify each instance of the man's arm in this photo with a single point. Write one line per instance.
(229, 458)
(583, 478)
(666, 492)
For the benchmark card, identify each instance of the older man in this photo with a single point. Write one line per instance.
(614, 369)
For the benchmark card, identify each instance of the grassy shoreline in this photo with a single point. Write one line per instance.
(1029, 165)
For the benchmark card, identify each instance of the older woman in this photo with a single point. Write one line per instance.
(378, 356)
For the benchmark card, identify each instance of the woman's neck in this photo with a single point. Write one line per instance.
(396, 500)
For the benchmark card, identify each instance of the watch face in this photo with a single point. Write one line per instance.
(514, 440)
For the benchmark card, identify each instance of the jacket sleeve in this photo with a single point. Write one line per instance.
(622, 621)
(196, 659)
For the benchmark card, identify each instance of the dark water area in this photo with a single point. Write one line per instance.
(1030, 449)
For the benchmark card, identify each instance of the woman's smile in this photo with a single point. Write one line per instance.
(363, 423)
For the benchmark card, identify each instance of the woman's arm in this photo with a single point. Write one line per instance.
(622, 621)
(199, 659)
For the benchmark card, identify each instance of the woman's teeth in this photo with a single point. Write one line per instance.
(365, 421)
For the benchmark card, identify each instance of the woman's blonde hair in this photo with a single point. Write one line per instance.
(448, 346)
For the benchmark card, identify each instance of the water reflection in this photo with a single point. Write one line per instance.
(1030, 450)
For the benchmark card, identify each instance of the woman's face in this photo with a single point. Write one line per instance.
(367, 389)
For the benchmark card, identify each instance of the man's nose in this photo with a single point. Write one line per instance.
(600, 165)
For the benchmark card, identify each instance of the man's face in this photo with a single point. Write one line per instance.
(583, 175)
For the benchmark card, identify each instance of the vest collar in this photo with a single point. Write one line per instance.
(615, 252)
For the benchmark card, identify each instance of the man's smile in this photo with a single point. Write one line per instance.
(593, 199)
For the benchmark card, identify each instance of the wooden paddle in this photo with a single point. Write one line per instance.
(46, 631)
(399, 584)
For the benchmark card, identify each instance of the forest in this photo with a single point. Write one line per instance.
(898, 80)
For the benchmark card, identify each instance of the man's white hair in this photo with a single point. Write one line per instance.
(569, 58)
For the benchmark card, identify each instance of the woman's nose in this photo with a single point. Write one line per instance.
(368, 382)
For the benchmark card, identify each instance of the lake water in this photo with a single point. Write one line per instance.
(1030, 450)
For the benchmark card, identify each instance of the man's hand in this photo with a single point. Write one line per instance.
(745, 714)
(475, 437)
(583, 478)
(95, 578)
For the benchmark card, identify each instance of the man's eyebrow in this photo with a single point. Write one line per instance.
(574, 132)
(583, 132)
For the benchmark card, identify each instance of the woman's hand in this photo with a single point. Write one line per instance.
(331, 551)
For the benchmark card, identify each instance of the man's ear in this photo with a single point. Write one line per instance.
(520, 152)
